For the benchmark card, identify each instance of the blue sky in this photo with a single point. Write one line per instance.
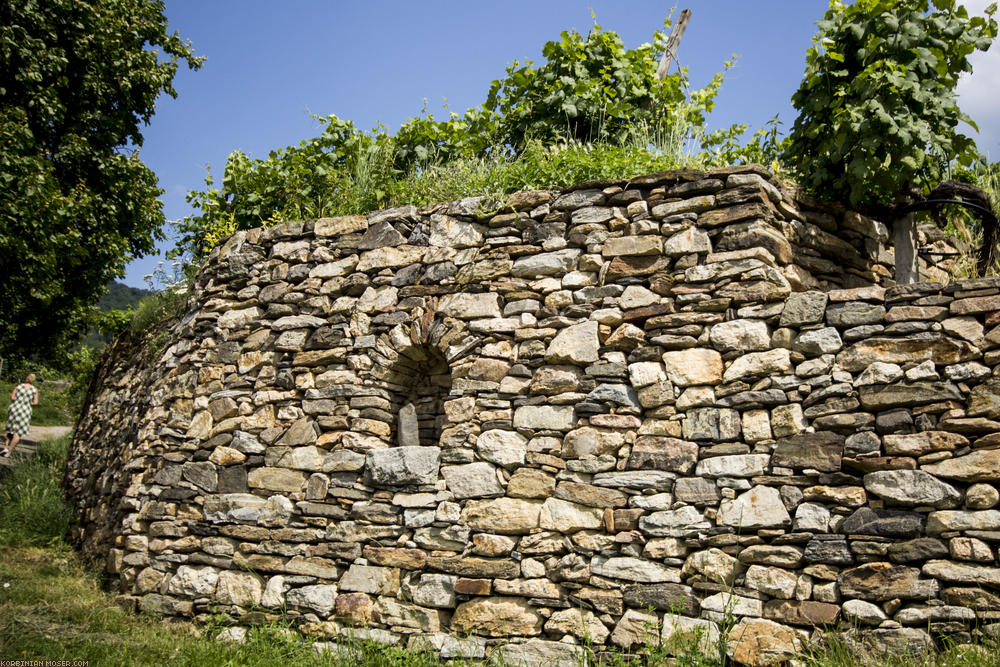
(272, 64)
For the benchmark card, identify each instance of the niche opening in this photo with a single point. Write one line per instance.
(420, 377)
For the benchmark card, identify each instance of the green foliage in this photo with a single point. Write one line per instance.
(537, 166)
(81, 366)
(32, 509)
(765, 146)
(589, 90)
(878, 112)
(591, 109)
(111, 322)
(314, 179)
(111, 314)
(79, 78)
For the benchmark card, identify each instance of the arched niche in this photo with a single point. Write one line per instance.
(419, 382)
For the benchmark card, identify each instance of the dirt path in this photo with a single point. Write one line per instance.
(47, 432)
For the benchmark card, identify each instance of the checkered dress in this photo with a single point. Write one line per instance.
(19, 412)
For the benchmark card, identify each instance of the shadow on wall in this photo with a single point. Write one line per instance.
(419, 383)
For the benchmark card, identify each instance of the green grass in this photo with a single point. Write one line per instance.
(32, 509)
(54, 609)
(551, 167)
(835, 651)
(53, 407)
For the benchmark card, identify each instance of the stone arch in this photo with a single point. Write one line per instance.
(414, 364)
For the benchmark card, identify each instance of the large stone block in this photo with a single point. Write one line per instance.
(803, 308)
(819, 451)
(540, 652)
(736, 465)
(911, 487)
(687, 241)
(884, 581)
(633, 569)
(473, 480)
(633, 245)
(929, 346)
(277, 479)
(508, 516)
(577, 344)
(470, 306)
(741, 335)
(545, 417)
(663, 453)
(879, 397)
(319, 597)
(980, 466)
(504, 448)
(569, 517)
(681, 632)
(497, 617)
(545, 264)
(673, 523)
(371, 579)
(760, 642)
(453, 233)
(760, 507)
(756, 364)
(950, 520)
(403, 465)
(711, 424)
(693, 367)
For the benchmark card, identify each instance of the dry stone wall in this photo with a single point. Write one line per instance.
(602, 415)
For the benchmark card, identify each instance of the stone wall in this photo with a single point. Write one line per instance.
(606, 414)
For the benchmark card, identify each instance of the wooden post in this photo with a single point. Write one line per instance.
(904, 248)
(672, 43)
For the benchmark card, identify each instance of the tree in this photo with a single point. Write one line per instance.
(878, 113)
(78, 79)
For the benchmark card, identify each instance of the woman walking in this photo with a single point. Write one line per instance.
(22, 398)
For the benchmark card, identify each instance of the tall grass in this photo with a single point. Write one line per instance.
(32, 509)
(839, 651)
(498, 172)
(54, 609)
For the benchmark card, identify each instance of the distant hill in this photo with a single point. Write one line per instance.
(121, 297)
(118, 297)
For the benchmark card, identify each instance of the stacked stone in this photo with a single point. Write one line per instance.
(608, 414)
